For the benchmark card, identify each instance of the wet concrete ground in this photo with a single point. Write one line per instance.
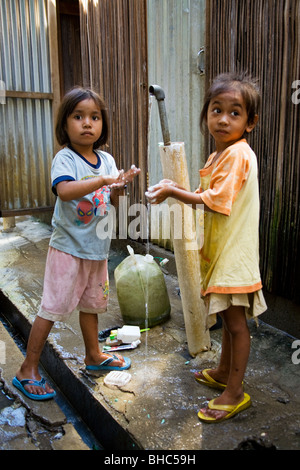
(157, 409)
(29, 426)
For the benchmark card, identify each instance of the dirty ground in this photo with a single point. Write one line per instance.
(28, 426)
(157, 409)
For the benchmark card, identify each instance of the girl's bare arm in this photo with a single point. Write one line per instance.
(69, 190)
(161, 191)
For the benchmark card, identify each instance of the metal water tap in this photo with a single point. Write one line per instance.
(159, 94)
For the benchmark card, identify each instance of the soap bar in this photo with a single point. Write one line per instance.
(117, 379)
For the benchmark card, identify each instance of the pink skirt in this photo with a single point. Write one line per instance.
(73, 284)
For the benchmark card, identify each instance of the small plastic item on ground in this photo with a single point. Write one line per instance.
(132, 345)
(117, 379)
(113, 342)
(113, 334)
(103, 334)
(162, 261)
(128, 333)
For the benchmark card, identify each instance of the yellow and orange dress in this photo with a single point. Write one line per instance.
(230, 272)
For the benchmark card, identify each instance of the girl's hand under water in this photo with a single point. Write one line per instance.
(160, 192)
(124, 178)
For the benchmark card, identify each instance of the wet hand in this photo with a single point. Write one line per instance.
(158, 193)
(125, 177)
(170, 182)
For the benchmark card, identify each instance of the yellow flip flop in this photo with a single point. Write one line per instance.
(209, 381)
(232, 410)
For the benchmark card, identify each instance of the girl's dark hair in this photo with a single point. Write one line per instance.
(233, 82)
(67, 106)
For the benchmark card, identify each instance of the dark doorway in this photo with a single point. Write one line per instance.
(68, 22)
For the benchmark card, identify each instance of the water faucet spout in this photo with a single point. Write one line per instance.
(159, 94)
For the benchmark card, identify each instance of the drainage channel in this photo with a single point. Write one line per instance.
(67, 409)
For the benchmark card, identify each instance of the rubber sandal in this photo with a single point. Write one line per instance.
(20, 385)
(105, 365)
(209, 381)
(232, 410)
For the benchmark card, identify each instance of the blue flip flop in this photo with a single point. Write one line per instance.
(20, 385)
(105, 364)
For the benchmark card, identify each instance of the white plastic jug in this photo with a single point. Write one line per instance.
(128, 333)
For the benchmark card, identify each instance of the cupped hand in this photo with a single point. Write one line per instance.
(125, 177)
(158, 193)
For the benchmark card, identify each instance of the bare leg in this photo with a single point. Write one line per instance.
(221, 373)
(89, 329)
(238, 333)
(29, 369)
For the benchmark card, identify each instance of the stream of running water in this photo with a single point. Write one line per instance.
(148, 228)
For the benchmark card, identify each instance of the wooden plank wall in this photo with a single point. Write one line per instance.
(262, 38)
(114, 63)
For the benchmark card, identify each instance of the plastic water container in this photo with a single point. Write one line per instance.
(128, 333)
(141, 291)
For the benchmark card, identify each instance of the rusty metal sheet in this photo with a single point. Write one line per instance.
(26, 146)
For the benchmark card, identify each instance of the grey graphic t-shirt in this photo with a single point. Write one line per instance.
(75, 222)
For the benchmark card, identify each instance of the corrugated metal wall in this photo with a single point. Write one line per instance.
(262, 38)
(114, 63)
(26, 145)
(176, 33)
(127, 45)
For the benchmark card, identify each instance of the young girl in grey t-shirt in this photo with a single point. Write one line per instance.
(86, 182)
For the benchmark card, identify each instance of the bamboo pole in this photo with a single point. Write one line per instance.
(174, 167)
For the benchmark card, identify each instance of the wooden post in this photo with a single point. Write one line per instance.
(186, 252)
(9, 224)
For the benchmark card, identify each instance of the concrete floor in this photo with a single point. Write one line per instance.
(157, 409)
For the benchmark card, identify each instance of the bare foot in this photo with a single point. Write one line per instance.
(102, 357)
(223, 399)
(213, 373)
(33, 376)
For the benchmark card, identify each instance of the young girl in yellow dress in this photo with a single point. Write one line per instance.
(230, 277)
